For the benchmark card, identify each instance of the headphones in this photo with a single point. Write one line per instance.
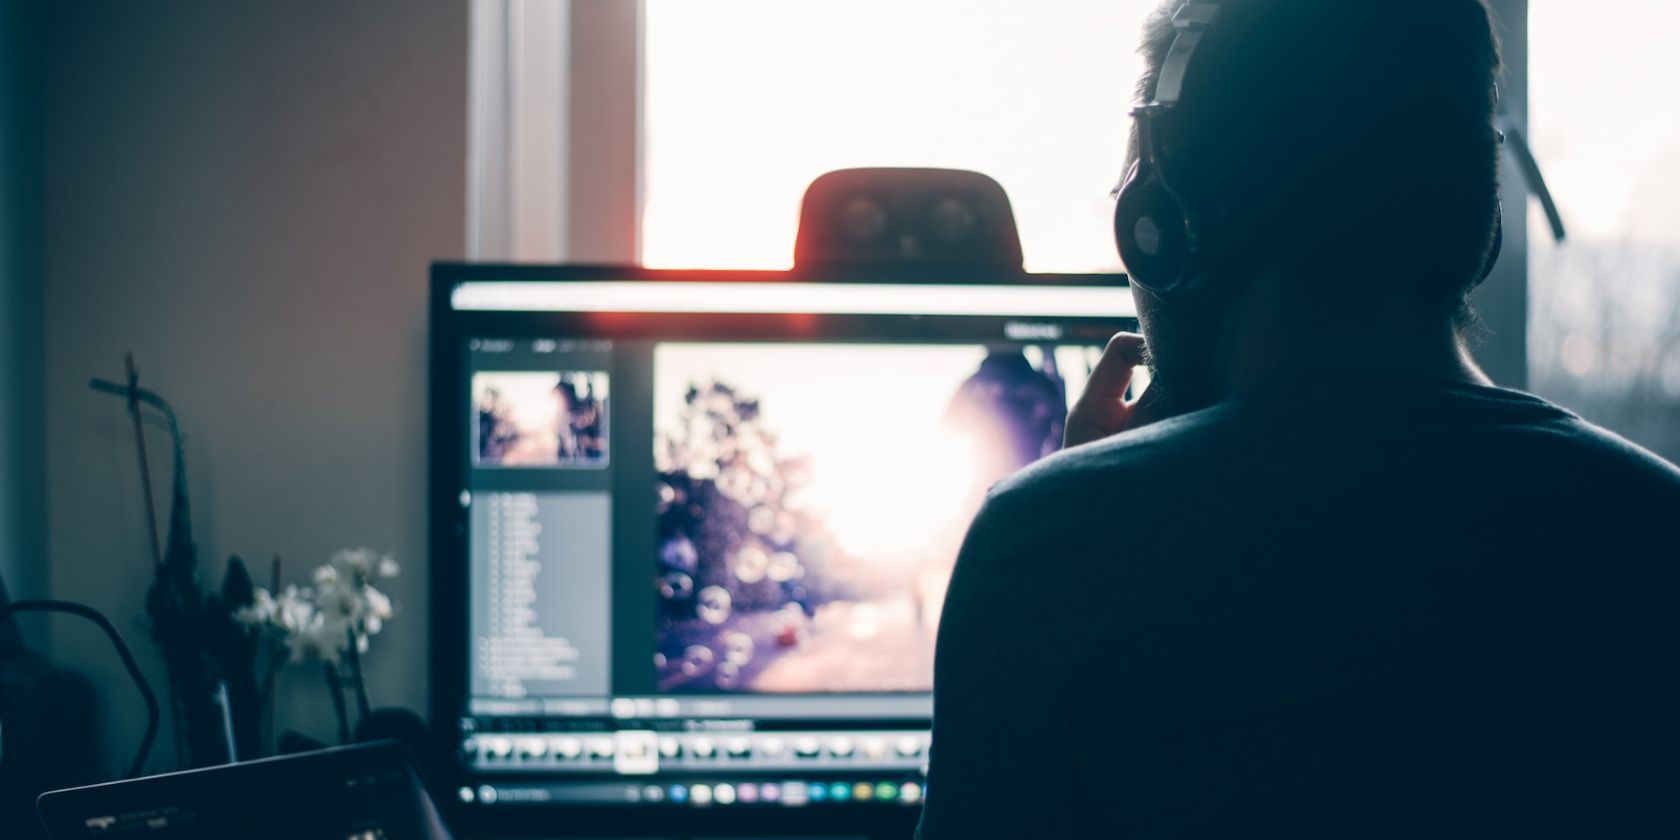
(1161, 234)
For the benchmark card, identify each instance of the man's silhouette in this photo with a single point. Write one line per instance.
(1325, 580)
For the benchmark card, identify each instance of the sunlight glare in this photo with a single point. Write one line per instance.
(749, 100)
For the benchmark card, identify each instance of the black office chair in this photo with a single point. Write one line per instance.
(45, 740)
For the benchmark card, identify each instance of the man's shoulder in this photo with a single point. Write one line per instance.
(1612, 456)
(1130, 474)
(1117, 473)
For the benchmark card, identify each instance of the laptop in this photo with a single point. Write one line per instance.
(362, 792)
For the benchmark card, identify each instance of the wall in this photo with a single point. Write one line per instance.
(247, 196)
(21, 504)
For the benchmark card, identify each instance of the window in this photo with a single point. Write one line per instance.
(683, 133)
(747, 101)
(1604, 334)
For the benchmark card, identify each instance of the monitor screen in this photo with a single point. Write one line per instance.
(693, 530)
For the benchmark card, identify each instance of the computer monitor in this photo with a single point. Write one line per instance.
(692, 530)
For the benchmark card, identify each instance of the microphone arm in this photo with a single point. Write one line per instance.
(1530, 169)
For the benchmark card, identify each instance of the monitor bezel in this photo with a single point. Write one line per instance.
(448, 567)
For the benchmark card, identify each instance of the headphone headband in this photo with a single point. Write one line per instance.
(1191, 21)
(1156, 229)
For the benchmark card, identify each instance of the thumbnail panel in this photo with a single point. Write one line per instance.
(540, 419)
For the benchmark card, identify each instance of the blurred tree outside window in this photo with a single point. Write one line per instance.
(1604, 323)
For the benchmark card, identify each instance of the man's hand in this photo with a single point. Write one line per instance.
(1103, 410)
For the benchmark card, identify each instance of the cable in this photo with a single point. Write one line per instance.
(93, 615)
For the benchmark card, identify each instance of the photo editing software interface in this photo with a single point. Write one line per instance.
(709, 526)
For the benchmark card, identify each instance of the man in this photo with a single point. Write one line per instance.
(1324, 580)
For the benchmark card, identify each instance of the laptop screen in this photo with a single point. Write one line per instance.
(366, 792)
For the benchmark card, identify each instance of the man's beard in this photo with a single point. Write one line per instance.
(1183, 345)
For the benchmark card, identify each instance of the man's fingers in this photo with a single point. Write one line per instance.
(1114, 370)
(1102, 410)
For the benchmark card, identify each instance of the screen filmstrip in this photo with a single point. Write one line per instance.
(709, 526)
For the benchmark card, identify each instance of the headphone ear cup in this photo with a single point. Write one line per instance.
(1154, 232)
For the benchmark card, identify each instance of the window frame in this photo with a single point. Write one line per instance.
(555, 75)
(578, 68)
(1502, 300)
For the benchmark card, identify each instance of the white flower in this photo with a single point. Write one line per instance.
(295, 611)
(339, 601)
(320, 641)
(260, 613)
(319, 623)
(379, 604)
(378, 610)
(363, 565)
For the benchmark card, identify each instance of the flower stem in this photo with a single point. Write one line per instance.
(269, 727)
(356, 681)
(335, 687)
